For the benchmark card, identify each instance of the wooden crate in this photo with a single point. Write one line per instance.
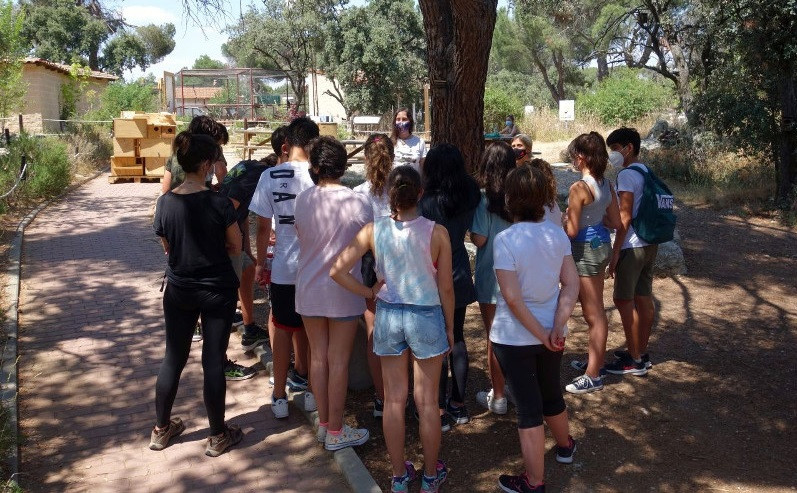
(155, 147)
(135, 128)
(155, 166)
(168, 131)
(125, 147)
(328, 129)
(127, 166)
(160, 131)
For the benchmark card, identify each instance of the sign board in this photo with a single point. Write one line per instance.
(567, 110)
(168, 91)
(367, 120)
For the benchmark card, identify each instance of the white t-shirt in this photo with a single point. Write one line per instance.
(275, 197)
(632, 181)
(380, 206)
(535, 251)
(409, 152)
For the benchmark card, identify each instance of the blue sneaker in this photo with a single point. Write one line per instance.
(432, 485)
(296, 382)
(584, 384)
(402, 483)
(581, 365)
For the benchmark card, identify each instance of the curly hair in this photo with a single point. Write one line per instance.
(497, 161)
(547, 172)
(378, 161)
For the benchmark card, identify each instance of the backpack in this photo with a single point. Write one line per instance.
(655, 219)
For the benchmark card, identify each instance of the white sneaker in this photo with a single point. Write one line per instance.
(271, 379)
(348, 437)
(279, 407)
(496, 406)
(309, 402)
(321, 434)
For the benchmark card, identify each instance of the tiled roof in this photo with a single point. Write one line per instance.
(66, 69)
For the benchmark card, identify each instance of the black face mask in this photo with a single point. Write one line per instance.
(519, 153)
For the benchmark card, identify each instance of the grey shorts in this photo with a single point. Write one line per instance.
(590, 261)
(399, 327)
(634, 272)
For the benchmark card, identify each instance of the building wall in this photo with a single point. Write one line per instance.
(43, 94)
(327, 105)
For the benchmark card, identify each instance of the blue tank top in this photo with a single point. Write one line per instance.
(402, 250)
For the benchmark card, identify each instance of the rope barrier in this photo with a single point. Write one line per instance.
(19, 179)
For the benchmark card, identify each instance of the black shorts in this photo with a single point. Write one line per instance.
(532, 373)
(283, 307)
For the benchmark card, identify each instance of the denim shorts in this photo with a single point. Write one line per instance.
(398, 327)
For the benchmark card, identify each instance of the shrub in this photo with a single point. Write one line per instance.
(625, 96)
(498, 103)
(48, 171)
(121, 96)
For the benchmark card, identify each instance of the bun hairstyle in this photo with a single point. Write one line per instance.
(378, 162)
(404, 188)
(329, 157)
(592, 148)
(547, 171)
(192, 150)
(497, 161)
(526, 194)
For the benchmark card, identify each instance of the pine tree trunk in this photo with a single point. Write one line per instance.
(786, 167)
(458, 38)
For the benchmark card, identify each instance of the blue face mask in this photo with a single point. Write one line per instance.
(509, 123)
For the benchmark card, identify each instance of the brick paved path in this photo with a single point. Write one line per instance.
(91, 343)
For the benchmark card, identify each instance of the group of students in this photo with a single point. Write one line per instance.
(393, 250)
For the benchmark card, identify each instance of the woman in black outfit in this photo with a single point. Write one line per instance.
(450, 198)
(199, 232)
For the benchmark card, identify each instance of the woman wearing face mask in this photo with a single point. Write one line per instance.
(521, 146)
(408, 148)
(510, 130)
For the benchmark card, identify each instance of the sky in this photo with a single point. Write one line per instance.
(191, 41)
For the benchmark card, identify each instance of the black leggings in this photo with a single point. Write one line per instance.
(181, 309)
(458, 360)
(532, 373)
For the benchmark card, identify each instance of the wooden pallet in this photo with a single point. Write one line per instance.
(134, 179)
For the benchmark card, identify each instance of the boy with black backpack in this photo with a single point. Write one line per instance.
(646, 219)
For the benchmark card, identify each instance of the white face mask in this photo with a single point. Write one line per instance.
(616, 158)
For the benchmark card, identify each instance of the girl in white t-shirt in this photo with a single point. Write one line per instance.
(327, 217)
(409, 149)
(414, 318)
(532, 258)
(378, 151)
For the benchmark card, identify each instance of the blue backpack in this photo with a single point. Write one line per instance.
(655, 219)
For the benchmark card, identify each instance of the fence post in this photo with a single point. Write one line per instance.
(24, 158)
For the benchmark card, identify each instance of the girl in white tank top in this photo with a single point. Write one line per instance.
(413, 264)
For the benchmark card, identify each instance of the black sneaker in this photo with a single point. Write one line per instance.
(237, 319)
(627, 365)
(253, 336)
(519, 484)
(459, 415)
(581, 365)
(625, 354)
(233, 371)
(564, 455)
(379, 407)
(296, 382)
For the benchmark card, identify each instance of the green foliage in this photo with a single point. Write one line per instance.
(12, 49)
(498, 103)
(282, 35)
(138, 95)
(92, 34)
(625, 96)
(376, 56)
(528, 89)
(48, 172)
(205, 62)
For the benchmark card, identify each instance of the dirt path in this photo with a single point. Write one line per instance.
(717, 411)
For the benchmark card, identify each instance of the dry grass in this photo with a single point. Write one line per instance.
(543, 125)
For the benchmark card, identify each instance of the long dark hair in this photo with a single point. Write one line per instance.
(497, 161)
(194, 149)
(592, 148)
(378, 161)
(447, 180)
